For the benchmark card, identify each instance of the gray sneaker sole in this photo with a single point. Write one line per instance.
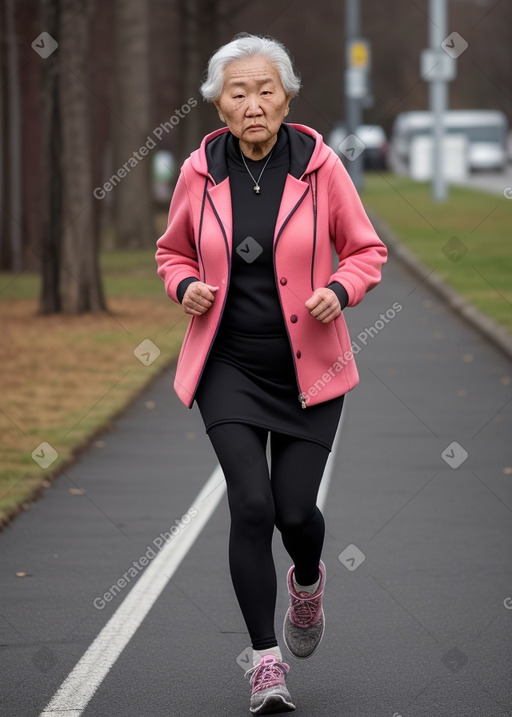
(273, 704)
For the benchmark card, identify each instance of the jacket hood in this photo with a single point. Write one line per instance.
(308, 152)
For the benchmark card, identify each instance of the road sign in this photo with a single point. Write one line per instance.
(436, 65)
(358, 54)
(356, 82)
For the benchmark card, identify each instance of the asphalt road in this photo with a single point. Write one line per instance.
(493, 182)
(418, 608)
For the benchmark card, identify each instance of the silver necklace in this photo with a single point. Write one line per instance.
(256, 187)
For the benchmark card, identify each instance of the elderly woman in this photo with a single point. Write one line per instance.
(255, 214)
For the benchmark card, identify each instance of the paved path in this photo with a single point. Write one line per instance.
(421, 626)
(493, 182)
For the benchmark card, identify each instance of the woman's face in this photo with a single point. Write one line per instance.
(253, 102)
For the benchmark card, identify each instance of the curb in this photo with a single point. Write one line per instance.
(486, 326)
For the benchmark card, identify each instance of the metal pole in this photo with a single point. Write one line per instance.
(438, 92)
(353, 104)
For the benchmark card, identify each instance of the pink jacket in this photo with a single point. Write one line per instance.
(319, 210)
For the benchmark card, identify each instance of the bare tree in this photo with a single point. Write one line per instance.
(198, 39)
(48, 248)
(71, 281)
(131, 126)
(80, 283)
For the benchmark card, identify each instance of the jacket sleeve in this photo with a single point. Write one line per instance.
(360, 251)
(340, 292)
(176, 254)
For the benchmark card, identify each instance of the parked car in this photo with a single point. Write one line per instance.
(485, 130)
(375, 153)
(375, 140)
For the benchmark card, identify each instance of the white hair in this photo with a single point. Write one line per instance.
(242, 47)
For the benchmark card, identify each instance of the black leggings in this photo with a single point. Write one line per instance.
(256, 504)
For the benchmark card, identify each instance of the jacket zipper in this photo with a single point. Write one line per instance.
(302, 395)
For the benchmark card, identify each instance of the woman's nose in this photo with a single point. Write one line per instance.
(253, 106)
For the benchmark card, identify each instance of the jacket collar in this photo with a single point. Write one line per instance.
(307, 152)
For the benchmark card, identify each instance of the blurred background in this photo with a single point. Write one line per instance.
(123, 68)
(99, 107)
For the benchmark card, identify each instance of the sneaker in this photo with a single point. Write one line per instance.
(304, 621)
(269, 694)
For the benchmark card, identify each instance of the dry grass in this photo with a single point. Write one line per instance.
(64, 377)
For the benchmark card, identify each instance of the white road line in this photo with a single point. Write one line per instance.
(78, 688)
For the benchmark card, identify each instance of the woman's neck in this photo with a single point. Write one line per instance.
(257, 150)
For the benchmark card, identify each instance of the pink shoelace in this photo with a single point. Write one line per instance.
(306, 609)
(269, 672)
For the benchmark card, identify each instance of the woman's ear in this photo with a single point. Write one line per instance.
(221, 116)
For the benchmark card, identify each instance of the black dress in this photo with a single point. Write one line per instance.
(250, 375)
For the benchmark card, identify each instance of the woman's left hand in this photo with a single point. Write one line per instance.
(324, 305)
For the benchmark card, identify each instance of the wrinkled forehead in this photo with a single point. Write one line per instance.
(251, 71)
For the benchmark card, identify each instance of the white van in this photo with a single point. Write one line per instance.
(486, 132)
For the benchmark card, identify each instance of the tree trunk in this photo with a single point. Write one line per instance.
(79, 276)
(48, 249)
(4, 227)
(13, 149)
(102, 68)
(33, 172)
(190, 130)
(133, 217)
(198, 25)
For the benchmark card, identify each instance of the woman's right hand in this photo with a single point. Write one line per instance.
(198, 298)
